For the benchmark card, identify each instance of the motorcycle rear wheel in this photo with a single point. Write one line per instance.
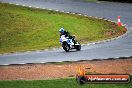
(78, 48)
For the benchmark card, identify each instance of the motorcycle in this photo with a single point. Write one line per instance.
(68, 44)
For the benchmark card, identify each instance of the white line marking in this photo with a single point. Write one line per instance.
(116, 57)
(49, 9)
(57, 10)
(127, 56)
(112, 21)
(79, 14)
(63, 11)
(6, 64)
(85, 15)
(67, 12)
(73, 13)
(99, 18)
(22, 63)
(90, 16)
(23, 5)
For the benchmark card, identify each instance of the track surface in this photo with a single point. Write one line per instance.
(117, 48)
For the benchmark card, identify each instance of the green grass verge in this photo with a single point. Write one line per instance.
(59, 83)
(23, 28)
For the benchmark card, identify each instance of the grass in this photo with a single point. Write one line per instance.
(58, 83)
(23, 28)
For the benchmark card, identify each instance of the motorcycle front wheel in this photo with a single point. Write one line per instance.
(66, 47)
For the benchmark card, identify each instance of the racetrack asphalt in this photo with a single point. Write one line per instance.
(121, 47)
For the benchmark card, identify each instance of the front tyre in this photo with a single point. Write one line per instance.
(66, 47)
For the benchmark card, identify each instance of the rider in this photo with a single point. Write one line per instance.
(66, 33)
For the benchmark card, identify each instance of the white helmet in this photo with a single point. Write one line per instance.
(61, 30)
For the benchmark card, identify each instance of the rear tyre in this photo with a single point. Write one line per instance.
(78, 48)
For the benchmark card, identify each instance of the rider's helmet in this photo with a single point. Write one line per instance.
(61, 30)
